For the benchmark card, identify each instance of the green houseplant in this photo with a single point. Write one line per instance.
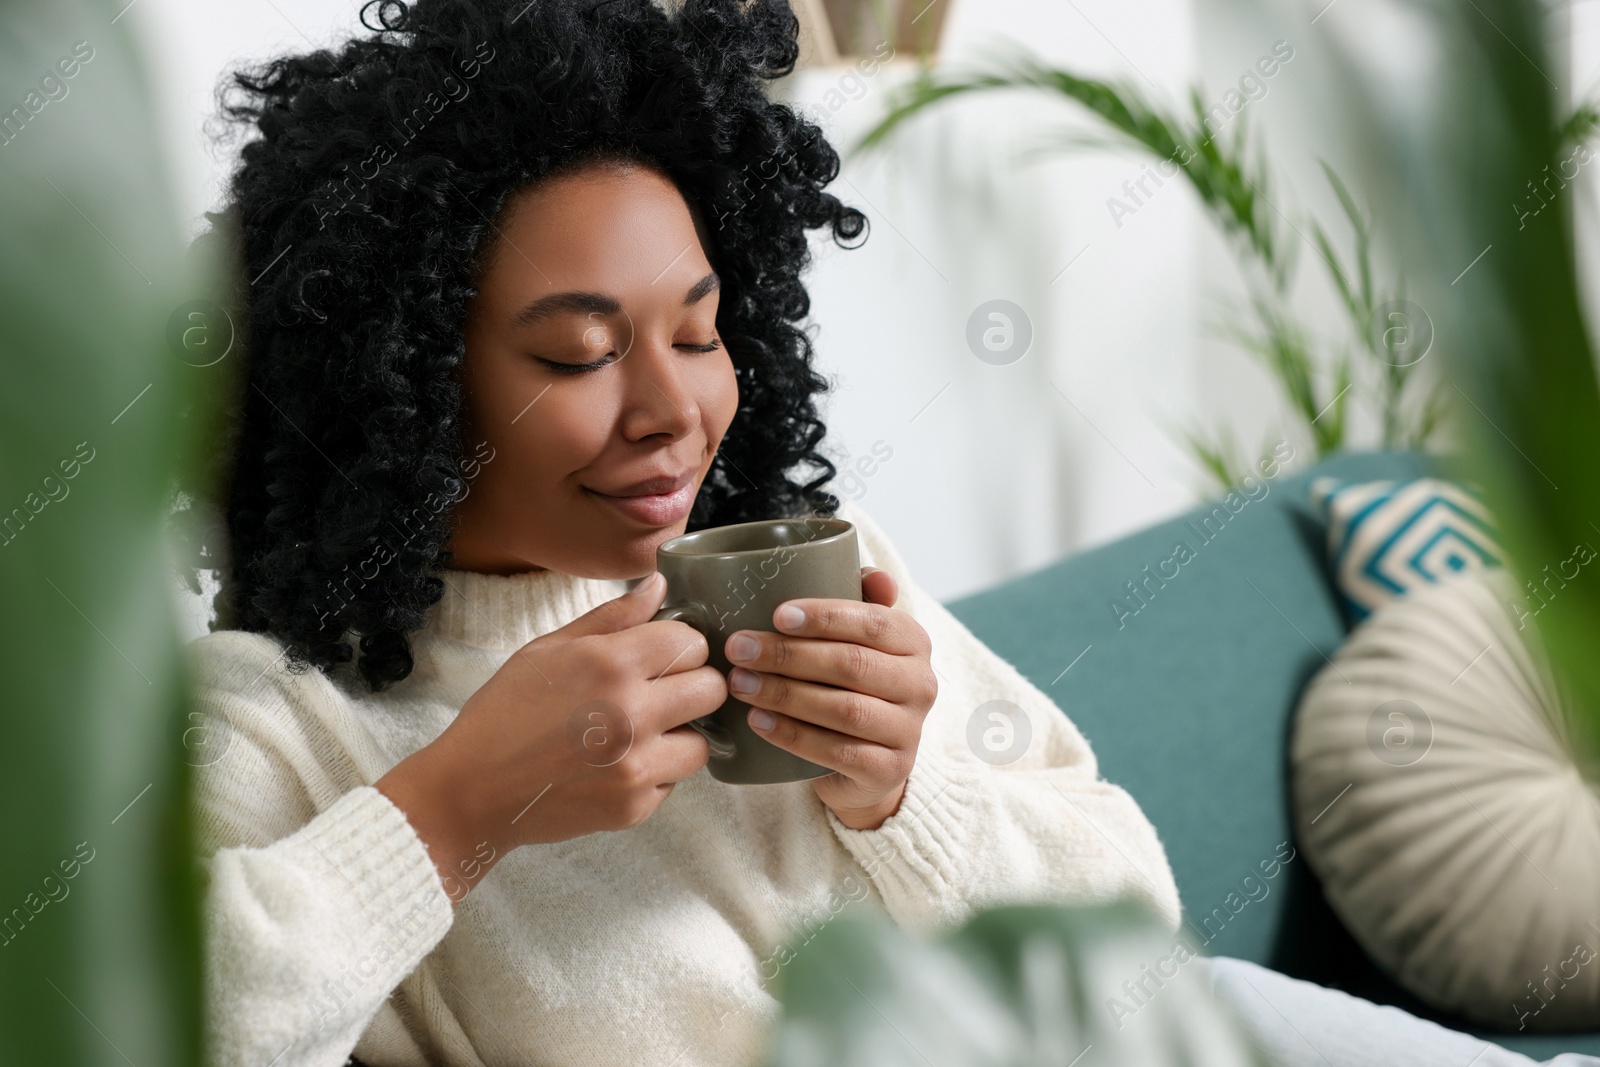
(1230, 176)
(99, 960)
(1014, 987)
(1485, 167)
(1374, 359)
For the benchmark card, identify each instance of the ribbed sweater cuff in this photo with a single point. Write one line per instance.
(917, 857)
(377, 855)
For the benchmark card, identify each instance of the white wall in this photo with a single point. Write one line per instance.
(998, 469)
(193, 42)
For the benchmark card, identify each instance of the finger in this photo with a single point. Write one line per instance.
(630, 609)
(675, 700)
(841, 711)
(863, 761)
(668, 646)
(841, 663)
(682, 751)
(879, 587)
(874, 625)
(601, 731)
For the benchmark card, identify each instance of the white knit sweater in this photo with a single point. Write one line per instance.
(329, 930)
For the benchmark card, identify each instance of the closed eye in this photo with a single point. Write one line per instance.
(577, 368)
(611, 357)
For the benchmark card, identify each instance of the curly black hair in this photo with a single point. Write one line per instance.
(361, 213)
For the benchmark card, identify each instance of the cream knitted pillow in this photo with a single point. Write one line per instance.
(1438, 799)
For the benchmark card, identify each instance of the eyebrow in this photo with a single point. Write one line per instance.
(584, 303)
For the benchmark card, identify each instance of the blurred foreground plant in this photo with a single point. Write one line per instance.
(99, 960)
(1482, 165)
(1014, 987)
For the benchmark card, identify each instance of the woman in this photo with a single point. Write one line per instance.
(524, 286)
(524, 304)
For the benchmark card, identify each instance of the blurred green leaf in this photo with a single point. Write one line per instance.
(1482, 168)
(99, 962)
(1580, 126)
(1317, 379)
(1017, 986)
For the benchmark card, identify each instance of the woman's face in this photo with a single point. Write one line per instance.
(600, 270)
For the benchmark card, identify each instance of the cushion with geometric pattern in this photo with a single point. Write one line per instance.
(1386, 538)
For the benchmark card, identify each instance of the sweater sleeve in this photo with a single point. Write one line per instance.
(971, 833)
(319, 896)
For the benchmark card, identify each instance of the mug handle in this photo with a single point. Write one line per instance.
(689, 612)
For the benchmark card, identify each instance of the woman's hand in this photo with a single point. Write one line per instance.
(847, 687)
(582, 729)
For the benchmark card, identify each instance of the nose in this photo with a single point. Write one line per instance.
(660, 396)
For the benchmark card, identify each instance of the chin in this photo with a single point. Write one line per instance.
(633, 558)
(642, 555)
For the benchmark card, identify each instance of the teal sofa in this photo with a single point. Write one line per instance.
(1186, 693)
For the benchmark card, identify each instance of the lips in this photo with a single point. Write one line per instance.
(657, 501)
(655, 486)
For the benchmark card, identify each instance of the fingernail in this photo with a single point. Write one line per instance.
(646, 584)
(789, 616)
(761, 719)
(742, 647)
(743, 681)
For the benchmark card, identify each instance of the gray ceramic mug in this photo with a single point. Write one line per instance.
(730, 578)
